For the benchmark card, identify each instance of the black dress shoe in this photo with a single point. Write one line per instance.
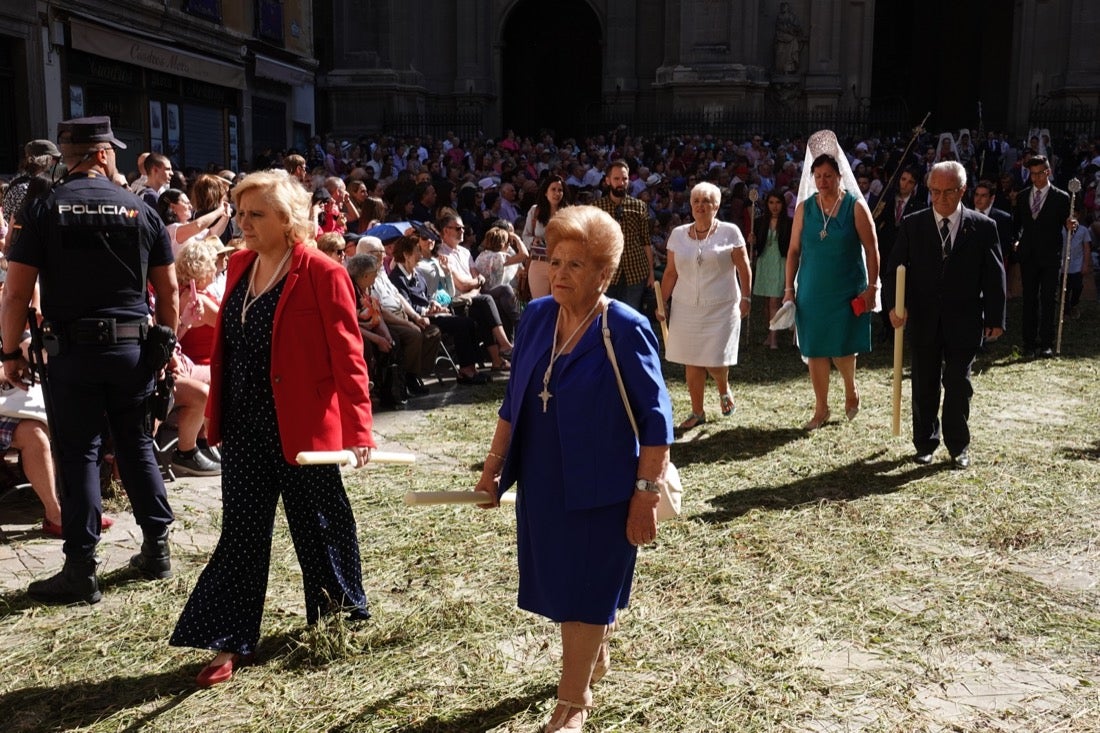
(962, 460)
(923, 459)
(415, 387)
(1047, 353)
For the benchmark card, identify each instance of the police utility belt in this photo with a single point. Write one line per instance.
(95, 332)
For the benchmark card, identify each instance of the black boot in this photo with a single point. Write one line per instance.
(76, 583)
(155, 560)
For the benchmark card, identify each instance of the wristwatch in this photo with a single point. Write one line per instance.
(644, 484)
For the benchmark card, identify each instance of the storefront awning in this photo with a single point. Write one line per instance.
(121, 47)
(269, 68)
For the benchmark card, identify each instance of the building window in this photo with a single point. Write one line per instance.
(269, 20)
(209, 9)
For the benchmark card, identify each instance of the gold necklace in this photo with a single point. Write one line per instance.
(555, 352)
(252, 283)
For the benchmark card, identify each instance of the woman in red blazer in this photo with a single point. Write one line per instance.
(287, 326)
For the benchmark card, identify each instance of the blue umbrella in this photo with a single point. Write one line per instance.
(389, 230)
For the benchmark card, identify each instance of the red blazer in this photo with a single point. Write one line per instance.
(315, 338)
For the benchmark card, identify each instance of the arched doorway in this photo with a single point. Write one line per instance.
(551, 66)
(945, 68)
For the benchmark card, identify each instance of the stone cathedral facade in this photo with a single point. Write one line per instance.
(525, 63)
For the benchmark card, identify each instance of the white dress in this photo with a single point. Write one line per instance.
(705, 324)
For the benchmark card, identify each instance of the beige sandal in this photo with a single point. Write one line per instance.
(567, 715)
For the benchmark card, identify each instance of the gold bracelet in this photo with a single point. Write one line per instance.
(497, 456)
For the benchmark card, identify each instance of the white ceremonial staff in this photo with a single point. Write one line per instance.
(413, 498)
(899, 342)
(346, 457)
(1074, 186)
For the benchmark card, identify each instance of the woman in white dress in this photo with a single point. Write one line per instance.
(708, 281)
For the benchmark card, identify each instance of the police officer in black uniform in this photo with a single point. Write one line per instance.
(94, 246)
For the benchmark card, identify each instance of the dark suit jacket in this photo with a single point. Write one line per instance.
(887, 228)
(957, 296)
(1006, 232)
(1041, 238)
(314, 338)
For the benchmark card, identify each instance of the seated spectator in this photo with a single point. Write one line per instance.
(334, 245)
(210, 193)
(176, 212)
(502, 253)
(381, 350)
(190, 394)
(418, 337)
(468, 283)
(32, 439)
(196, 269)
(410, 283)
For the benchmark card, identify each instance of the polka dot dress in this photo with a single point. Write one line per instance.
(226, 606)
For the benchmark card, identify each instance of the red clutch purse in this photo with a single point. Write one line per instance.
(858, 306)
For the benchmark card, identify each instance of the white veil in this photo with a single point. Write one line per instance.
(939, 146)
(820, 143)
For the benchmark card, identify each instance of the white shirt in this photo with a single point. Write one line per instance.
(953, 220)
(1039, 194)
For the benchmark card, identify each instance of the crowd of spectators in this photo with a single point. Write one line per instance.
(470, 197)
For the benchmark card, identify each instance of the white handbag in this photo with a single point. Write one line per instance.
(672, 490)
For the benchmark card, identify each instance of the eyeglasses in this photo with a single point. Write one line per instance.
(458, 229)
(340, 252)
(937, 192)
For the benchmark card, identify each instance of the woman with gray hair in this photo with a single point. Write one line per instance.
(708, 281)
(587, 479)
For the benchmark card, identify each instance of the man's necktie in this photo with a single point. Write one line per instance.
(899, 209)
(945, 235)
(1036, 204)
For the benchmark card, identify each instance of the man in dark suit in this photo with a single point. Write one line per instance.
(984, 191)
(954, 296)
(898, 203)
(1041, 212)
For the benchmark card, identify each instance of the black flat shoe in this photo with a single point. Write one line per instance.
(478, 378)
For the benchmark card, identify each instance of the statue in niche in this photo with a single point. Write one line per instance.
(788, 40)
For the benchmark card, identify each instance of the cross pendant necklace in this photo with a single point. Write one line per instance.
(555, 352)
(826, 216)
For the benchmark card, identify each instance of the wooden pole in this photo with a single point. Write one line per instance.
(661, 310)
(899, 341)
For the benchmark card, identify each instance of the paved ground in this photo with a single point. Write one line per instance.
(27, 554)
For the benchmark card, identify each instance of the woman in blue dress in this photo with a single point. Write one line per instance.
(587, 489)
(833, 261)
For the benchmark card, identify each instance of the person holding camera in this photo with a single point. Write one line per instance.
(104, 355)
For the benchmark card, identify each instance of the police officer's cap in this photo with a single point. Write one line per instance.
(87, 130)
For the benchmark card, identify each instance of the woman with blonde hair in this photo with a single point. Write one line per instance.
(588, 483)
(287, 325)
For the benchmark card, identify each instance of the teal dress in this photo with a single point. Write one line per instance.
(831, 272)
